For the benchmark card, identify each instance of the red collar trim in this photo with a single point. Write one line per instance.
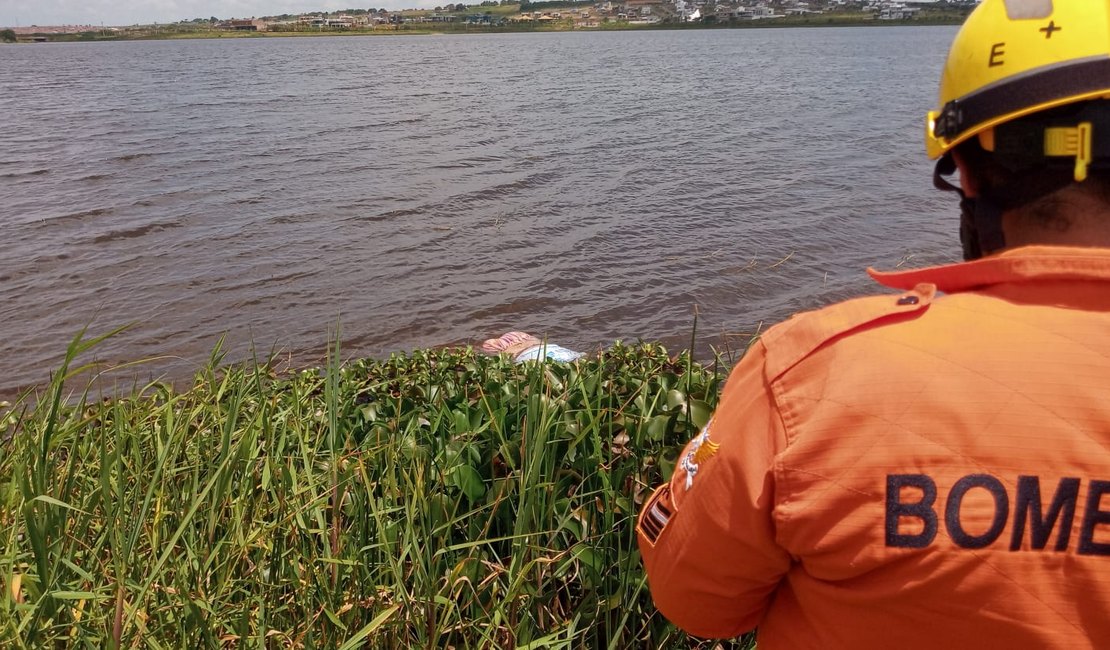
(1017, 265)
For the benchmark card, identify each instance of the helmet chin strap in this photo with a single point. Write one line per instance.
(980, 217)
(980, 227)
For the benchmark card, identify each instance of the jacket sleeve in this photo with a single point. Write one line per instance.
(708, 537)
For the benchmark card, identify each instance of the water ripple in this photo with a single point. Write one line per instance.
(588, 186)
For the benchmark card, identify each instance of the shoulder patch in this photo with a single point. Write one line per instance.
(700, 450)
(791, 341)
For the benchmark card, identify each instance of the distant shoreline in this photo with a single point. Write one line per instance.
(515, 28)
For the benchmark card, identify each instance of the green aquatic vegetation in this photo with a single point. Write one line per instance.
(430, 500)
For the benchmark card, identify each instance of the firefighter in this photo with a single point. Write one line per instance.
(931, 469)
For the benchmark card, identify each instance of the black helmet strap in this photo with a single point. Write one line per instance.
(980, 227)
(980, 217)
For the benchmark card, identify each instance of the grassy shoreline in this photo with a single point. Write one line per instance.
(434, 499)
(415, 29)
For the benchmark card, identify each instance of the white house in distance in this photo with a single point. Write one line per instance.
(887, 10)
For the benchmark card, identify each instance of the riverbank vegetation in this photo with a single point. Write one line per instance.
(431, 500)
(501, 17)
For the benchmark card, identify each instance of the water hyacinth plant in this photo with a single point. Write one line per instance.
(440, 499)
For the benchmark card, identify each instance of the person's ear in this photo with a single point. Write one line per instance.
(968, 181)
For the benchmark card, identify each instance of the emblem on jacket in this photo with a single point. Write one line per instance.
(701, 450)
(657, 514)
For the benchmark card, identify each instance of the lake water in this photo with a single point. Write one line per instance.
(432, 190)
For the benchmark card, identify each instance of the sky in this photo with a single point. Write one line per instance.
(22, 13)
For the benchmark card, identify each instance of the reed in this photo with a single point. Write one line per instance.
(432, 500)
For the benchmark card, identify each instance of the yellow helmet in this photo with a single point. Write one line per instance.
(1013, 58)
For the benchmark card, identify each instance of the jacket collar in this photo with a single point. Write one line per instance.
(1021, 264)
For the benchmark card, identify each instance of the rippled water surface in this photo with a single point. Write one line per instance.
(440, 189)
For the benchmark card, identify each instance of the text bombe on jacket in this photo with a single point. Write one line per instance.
(1029, 513)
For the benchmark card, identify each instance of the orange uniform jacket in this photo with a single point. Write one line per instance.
(907, 471)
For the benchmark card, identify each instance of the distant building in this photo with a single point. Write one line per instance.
(481, 19)
(894, 11)
(246, 24)
(251, 25)
(342, 21)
